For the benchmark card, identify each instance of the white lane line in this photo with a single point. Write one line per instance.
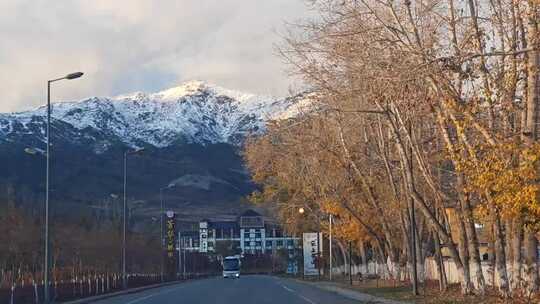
(306, 299)
(153, 295)
(299, 295)
(287, 288)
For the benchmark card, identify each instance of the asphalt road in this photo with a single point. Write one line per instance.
(253, 289)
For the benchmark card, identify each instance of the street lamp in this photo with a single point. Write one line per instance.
(124, 215)
(47, 179)
(161, 224)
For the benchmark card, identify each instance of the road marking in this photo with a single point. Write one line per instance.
(297, 294)
(153, 295)
(287, 288)
(306, 299)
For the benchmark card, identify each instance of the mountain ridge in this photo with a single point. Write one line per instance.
(194, 111)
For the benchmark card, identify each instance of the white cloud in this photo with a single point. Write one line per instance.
(132, 45)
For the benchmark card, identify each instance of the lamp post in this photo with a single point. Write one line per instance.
(124, 216)
(47, 181)
(161, 212)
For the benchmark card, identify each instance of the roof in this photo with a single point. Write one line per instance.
(250, 213)
(224, 225)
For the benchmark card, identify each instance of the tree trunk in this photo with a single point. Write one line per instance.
(440, 262)
(464, 256)
(472, 238)
(531, 128)
(500, 256)
(364, 257)
(427, 212)
(517, 241)
(531, 261)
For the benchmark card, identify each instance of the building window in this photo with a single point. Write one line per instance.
(258, 243)
(246, 244)
(246, 234)
(258, 235)
(210, 233)
(290, 243)
(251, 221)
(211, 244)
(279, 243)
(268, 244)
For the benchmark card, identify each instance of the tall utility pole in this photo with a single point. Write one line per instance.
(46, 267)
(179, 252)
(318, 256)
(124, 222)
(330, 245)
(413, 222)
(161, 240)
(350, 262)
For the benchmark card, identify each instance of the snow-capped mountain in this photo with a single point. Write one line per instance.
(194, 112)
(192, 134)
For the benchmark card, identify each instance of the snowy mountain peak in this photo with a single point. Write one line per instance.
(185, 89)
(197, 87)
(194, 111)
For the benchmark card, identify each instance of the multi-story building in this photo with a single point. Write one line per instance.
(250, 233)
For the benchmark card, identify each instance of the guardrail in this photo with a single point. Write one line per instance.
(79, 288)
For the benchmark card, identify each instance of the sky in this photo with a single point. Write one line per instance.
(124, 46)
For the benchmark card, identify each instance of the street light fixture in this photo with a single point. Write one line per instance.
(47, 179)
(34, 151)
(124, 215)
(74, 75)
(161, 212)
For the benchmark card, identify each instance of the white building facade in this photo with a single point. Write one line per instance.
(250, 234)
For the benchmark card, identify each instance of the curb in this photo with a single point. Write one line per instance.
(355, 295)
(351, 294)
(120, 293)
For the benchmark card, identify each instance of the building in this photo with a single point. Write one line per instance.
(250, 233)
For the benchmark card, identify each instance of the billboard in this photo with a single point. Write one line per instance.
(312, 246)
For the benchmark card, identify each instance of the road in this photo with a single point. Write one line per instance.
(253, 289)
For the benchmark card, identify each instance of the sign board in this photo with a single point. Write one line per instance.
(203, 237)
(312, 247)
(292, 267)
(170, 225)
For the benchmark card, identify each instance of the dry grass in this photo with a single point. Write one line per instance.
(430, 294)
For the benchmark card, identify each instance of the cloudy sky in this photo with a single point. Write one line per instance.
(139, 45)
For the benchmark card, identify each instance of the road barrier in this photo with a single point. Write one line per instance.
(83, 287)
(77, 288)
